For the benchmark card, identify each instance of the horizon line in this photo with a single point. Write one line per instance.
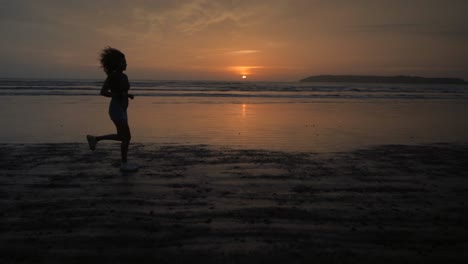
(143, 80)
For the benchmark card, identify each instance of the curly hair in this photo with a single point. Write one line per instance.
(110, 59)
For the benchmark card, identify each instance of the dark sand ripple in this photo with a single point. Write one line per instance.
(61, 203)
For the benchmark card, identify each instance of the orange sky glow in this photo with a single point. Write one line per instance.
(274, 40)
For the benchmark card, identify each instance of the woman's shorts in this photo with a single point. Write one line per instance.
(117, 111)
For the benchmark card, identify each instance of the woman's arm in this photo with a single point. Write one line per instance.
(105, 90)
(107, 93)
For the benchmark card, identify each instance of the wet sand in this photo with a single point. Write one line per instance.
(62, 203)
(253, 123)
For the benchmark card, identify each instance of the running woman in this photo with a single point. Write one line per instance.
(116, 87)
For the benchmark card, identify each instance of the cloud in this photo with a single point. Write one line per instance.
(434, 29)
(193, 17)
(391, 27)
(241, 52)
(162, 34)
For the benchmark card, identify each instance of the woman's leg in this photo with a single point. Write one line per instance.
(123, 134)
(108, 137)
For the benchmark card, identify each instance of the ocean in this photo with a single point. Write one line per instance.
(241, 89)
(290, 116)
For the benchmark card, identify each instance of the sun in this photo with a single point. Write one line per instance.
(244, 76)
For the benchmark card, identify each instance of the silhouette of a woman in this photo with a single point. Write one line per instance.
(116, 86)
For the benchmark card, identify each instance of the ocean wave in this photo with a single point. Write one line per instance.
(236, 89)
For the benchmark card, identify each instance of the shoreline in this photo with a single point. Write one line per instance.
(322, 127)
(65, 203)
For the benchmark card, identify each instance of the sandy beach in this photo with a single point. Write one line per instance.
(62, 203)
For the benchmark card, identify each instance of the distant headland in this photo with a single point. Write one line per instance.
(382, 79)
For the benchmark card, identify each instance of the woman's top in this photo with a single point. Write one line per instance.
(118, 85)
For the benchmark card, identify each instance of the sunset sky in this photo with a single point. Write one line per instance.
(275, 40)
